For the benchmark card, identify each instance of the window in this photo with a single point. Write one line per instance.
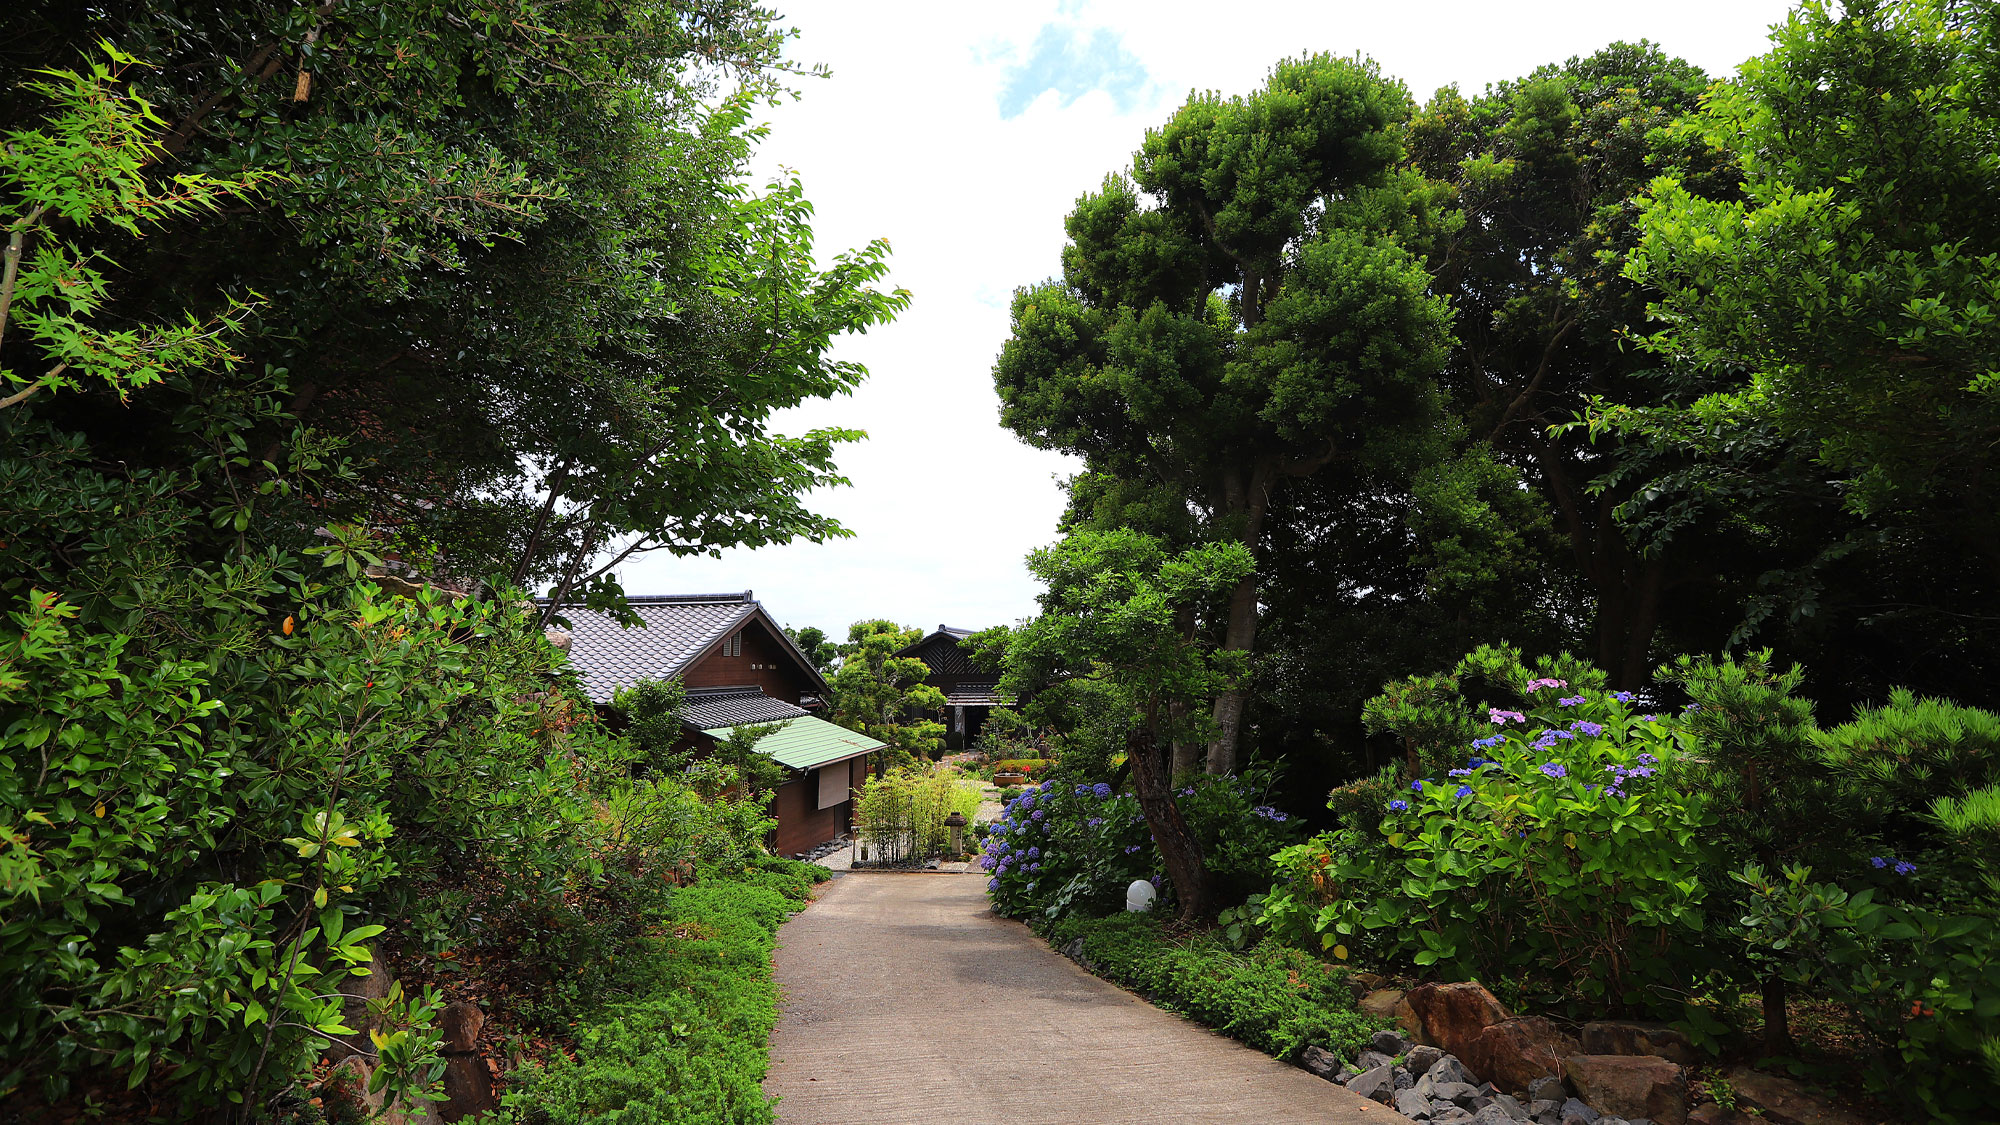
(733, 646)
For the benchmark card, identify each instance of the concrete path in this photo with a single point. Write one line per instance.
(907, 1002)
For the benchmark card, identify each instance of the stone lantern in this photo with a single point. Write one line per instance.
(956, 822)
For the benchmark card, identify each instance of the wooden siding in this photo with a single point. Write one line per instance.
(763, 664)
(801, 827)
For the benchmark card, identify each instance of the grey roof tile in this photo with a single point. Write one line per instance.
(608, 656)
(708, 709)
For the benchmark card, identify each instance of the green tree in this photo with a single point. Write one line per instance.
(1114, 612)
(1237, 313)
(652, 713)
(883, 695)
(823, 651)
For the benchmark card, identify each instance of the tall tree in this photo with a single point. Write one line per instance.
(1115, 611)
(883, 695)
(1540, 173)
(1237, 313)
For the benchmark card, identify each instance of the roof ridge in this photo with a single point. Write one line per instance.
(742, 597)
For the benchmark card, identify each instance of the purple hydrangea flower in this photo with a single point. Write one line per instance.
(1553, 770)
(1499, 718)
(1130, 850)
(1034, 853)
(992, 884)
(1082, 789)
(1459, 773)
(1905, 867)
(1398, 805)
(1002, 870)
(1585, 726)
(1271, 814)
(1622, 696)
(1537, 685)
(1877, 862)
(1101, 789)
(1036, 815)
(1156, 882)
(1570, 701)
(1488, 743)
(1094, 822)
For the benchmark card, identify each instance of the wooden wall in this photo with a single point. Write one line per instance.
(764, 664)
(801, 827)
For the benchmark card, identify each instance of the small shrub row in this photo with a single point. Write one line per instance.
(1273, 997)
(690, 1042)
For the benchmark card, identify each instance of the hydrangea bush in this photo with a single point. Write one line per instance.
(1555, 845)
(1064, 847)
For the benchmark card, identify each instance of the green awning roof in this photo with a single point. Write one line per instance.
(809, 743)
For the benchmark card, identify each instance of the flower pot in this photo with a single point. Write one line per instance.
(1003, 780)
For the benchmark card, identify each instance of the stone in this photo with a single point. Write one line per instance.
(1320, 1061)
(1459, 1092)
(1571, 1108)
(1543, 1107)
(1411, 1104)
(1637, 1037)
(468, 1088)
(1378, 1084)
(558, 638)
(1404, 1079)
(1346, 1072)
(1492, 1115)
(1370, 1059)
(1512, 1053)
(1514, 1108)
(1453, 1015)
(1393, 1004)
(1784, 1101)
(461, 1023)
(1630, 1086)
(1448, 1114)
(1390, 1043)
(1708, 1113)
(1449, 1069)
(1421, 1058)
(355, 993)
(1551, 1088)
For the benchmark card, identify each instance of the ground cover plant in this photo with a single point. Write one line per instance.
(1272, 997)
(686, 1040)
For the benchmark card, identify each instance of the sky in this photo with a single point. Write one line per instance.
(963, 134)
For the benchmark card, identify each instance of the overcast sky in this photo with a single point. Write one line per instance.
(963, 133)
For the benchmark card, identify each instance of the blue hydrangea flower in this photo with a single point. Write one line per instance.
(1622, 696)
(1094, 822)
(1082, 789)
(1001, 870)
(1553, 770)
(1465, 791)
(1398, 805)
(1101, 789)
(1416, 786)
(992, 884)
(1585, 726)
(1905, 867)
(1570, 701)
(1877, 862)
(1269, 813)
(1034, 853)
(1037, 814)
(1130, 850)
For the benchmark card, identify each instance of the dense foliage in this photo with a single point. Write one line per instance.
(1274, 998)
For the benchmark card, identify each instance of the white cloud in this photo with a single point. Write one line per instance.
(911, 140)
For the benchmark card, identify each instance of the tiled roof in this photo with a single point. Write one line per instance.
(974, 695)
(679, 628)
(941, 653)
(715, 708)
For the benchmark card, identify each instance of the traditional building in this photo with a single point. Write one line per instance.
(970, 692)
(740, 669)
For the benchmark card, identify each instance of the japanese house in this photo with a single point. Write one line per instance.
(970, 693)
(740, 669)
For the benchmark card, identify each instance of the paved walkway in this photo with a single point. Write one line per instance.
(907, 1002)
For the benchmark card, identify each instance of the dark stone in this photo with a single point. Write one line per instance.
(1411, 1104)
(1550, 1088)
(1784, 1101)
(1637, 1037)
(1460, 1092)
(1390, 1043)
(1576, 1111)
(1514, 1108)
(461, 1023)
(1544, 1107)
(1378, 1084)
(1449, 1069)
(1492, 1115)
(1630, 1085)
(1421, 1058)
(1370, 1059)
(1404, 1079)
(1321, 1062)
(468, 1088)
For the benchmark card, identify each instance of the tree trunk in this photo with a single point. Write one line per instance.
(1777, 1022)
(1249, 501)
(1178, 847)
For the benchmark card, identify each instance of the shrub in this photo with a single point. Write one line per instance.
(692, 1045)
(1062, 847)
(1557, 848)
(1277, 999)
(902, 813)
